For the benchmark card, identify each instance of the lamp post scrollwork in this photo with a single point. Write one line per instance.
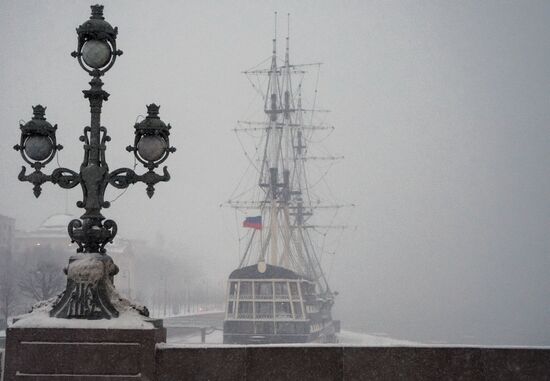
(90, 292)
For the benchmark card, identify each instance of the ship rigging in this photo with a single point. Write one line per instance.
(279, 292)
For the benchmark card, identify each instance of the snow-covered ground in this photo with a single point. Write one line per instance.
(346, 338)
(215, 337)
(189, 332)
(185, 314)
(363, 339)
(158, 313)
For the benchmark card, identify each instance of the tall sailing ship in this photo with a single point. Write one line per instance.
(279, 293)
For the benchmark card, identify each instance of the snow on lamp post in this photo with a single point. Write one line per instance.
(90, 293)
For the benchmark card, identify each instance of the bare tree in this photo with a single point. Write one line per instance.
(8, 295)
(42, 282)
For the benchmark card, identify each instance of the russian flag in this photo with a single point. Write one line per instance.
(253, 222)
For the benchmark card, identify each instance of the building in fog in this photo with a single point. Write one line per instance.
(7, 230)
(51, 235)
(51, 241)
(123, 254)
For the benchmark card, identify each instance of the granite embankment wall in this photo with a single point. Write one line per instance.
(328, 363)
(1, 363)
(351, 363)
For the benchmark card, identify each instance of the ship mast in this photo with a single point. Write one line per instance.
(270, 165)
(286, 206)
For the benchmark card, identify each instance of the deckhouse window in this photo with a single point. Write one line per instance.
(298, 310)
(282, 310)
(294, 290)
(263, 290)
(264, 310)
(245, 310)
(308, 289)
(233, 289)
(281, 290)
(245, 291)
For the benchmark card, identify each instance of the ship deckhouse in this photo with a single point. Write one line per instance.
(265, 300)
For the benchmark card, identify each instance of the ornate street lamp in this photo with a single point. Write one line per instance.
(90, 293)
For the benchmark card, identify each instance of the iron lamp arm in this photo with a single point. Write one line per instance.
(122, 178)
(63, 177)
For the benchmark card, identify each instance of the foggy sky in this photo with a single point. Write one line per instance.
(442, 111)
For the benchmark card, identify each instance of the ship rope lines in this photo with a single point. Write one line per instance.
(282, 208)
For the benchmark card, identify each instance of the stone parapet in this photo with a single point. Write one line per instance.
(81, 354)
(351, 363)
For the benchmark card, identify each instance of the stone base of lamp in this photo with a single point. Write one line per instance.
(90, 293)
(89, 332)
(81, 353)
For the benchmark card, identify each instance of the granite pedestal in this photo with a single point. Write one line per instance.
(81, 353)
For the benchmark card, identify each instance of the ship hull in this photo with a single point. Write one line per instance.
(326, 335)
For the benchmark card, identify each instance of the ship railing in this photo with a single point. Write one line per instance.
(282, 315)
(264, 316)
(263, 297)
(281, 296)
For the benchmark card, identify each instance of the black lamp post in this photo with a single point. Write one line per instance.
(90, 292)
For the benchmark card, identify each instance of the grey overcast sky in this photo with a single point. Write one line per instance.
(442, 111)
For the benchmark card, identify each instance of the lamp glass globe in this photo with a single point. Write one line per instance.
(96, 53)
